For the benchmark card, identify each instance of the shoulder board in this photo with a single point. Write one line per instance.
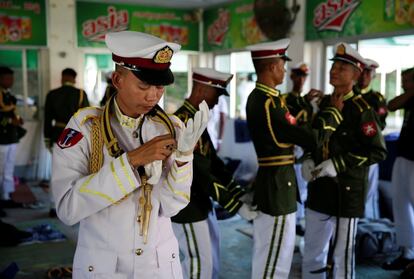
(183, 115)
(176, 121)
(87, 113)
(379, 95)
(360, 103)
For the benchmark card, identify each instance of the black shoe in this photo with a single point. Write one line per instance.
(397, 264)
(300, 231)
(52, 213)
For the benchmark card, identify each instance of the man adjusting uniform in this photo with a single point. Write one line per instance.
(274, 131)
(193, 226)
(338, 184)
(124, 170)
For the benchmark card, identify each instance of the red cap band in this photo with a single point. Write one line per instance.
(266, 53)
(210, 80)
(147, 63)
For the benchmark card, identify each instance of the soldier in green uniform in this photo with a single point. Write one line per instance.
(193, 225)
(303, 108)
(274, 132)
(110, 90)
(338, 187)
(374, 98)
(61, 104)
(9, 136)
(378, 103)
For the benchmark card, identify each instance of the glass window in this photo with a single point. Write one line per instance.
(393, 54)
(98, 67)
(245, 81)
(178, 91)
(27, 102)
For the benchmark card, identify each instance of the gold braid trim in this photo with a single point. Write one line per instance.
(96, 159)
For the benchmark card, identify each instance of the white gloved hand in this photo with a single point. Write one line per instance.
(247, 212)
(153, 171)
(191, 134)
(314, 104)
(307, 168)
(326, 168)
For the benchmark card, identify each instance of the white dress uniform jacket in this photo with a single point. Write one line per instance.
(106, 202)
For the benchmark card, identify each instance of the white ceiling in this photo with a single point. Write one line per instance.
(190, 4)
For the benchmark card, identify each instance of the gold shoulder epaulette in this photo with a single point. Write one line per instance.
(359, 101)
(176, 121)
(87, 113)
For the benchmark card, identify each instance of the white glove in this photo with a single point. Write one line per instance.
(307, 168)
(326, 168)
(191, 134)
(314, 104)
(247, 212)
(153, 171)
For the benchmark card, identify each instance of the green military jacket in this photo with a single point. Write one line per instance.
(377, 102)
(356, 144)
(298, 106)
(8, 131)
(274, 132)
(210, 178)
(60, 105)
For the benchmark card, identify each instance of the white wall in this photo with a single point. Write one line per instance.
(62, 41)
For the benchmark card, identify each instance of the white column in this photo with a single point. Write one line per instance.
(62, 41)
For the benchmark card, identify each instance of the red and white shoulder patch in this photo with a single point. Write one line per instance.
(369, 129)
(69, 138)
(290, 118)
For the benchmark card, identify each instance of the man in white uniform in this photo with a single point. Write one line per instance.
(124, 170)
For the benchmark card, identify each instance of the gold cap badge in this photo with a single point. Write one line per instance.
(340, 50)
(164, 55)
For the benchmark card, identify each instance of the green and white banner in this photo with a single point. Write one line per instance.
(327, 19)
(231, 26)
(94, 20)
(23, 23)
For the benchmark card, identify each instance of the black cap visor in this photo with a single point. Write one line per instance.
(338, 58)
(154, 77)
(222, 91)
(286, 58)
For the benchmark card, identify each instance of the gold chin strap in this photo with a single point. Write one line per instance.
(145, 208)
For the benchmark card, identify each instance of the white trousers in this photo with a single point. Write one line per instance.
(7, 159)
(273, 245)
(320, 231)
(214, 230)
(195, 249)
(371, 202)
(403, 201)
(303, 192)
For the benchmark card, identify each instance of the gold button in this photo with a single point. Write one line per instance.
(289, 183)
(139, 252)
(90, 268)
(173, 256)
(348, 188)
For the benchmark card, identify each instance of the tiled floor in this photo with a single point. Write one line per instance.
(236, 247)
